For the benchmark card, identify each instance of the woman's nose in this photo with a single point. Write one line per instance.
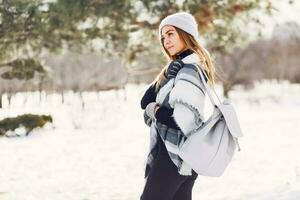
(167, 41)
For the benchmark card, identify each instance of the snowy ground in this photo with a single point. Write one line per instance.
(98, 153)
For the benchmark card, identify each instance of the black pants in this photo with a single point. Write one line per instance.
(164, 182)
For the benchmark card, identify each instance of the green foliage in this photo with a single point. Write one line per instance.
(26, 27)
(23, 69)
(28, 121)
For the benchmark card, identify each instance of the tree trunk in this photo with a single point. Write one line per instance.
(82, 100)
(9, 95)
(62, 97)
(40, 91)
(1, 106)
(226, 88)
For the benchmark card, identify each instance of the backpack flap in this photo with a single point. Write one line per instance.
(231, 119)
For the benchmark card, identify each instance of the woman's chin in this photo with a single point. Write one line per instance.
(172, 53)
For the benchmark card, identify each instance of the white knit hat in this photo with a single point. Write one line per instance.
(182, 20)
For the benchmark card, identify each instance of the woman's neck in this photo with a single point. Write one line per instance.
(183, 54)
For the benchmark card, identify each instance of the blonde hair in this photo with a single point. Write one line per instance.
(191, 43)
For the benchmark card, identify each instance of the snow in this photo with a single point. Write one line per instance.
(98, 152)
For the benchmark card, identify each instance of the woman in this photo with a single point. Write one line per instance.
(174, 105)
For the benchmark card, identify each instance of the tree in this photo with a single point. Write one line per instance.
(125, 28)
(28, 26)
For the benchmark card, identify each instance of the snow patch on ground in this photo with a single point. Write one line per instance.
(98, 151)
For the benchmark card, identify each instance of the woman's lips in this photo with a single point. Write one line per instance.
(170, 47)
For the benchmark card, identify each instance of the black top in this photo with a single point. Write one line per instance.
(184, 54)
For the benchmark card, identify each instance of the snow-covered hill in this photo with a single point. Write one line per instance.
(98, 153)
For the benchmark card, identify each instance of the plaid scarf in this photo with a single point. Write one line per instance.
(172, 138)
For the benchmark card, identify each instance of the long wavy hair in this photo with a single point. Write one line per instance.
(191, 43)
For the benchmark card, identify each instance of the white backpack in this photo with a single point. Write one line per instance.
(209, 149)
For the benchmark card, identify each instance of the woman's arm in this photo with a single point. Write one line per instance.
(149, 96)
(162, 114)
(187, 98)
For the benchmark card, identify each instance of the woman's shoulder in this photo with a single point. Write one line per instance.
(190, 72)
(193, 69)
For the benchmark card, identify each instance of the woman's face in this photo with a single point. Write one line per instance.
(171, 40)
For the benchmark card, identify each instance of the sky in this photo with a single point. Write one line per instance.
(286, 12)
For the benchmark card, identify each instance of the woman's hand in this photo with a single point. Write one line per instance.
(156, 108)
(173, 68)
(151, 109)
